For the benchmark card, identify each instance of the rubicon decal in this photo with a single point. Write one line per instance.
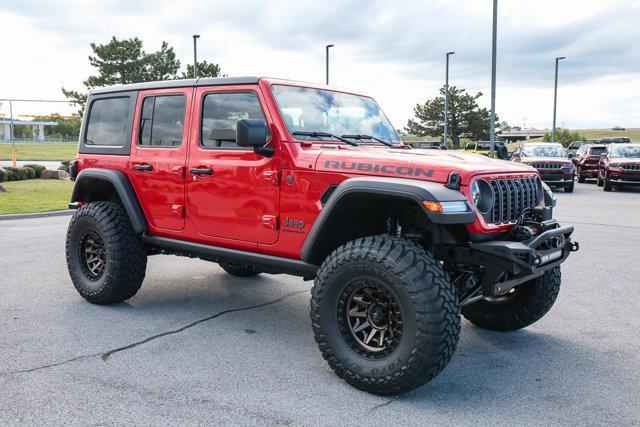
(368, 167)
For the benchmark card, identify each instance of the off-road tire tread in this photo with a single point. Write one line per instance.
(536, 300)
(438, 313)
(128, 257)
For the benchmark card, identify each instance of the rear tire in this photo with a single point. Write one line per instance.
(528, 304)
(106, 259)
(400, 282)
(239, 270)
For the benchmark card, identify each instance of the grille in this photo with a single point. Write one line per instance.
(547, 165)
(631, 166)
(510, 197)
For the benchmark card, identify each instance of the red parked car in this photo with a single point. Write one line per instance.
(586, 161)
(619, 166)
(274, 176)
(551, 161)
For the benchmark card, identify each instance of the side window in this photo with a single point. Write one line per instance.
(162, 121)
(108, 122)
(220, 114)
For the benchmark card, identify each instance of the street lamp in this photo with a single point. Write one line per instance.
(555, 99)
(327, 61)
(446, 97)
(493, 78)
(195, 55)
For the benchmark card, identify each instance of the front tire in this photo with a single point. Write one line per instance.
(570, 187)
(384, 314)
(607, 186)
(581, 177)
(105, 258)
(527, 304)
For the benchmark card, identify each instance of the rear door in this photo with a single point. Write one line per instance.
(159, 153)
(233, 193)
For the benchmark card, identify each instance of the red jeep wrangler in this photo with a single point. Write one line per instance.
(271, 176)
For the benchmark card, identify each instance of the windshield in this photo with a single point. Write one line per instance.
(316, 110)
(543, 151)
(596, 151)
(626, 152)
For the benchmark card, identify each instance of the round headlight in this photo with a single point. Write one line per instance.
(482, 195)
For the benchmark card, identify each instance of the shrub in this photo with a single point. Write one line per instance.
(18, 174)
(31, 174)
(3, 175)
(64, 165)
(37, 168)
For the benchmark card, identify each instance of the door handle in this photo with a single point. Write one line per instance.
(143, 167)
(201, 171)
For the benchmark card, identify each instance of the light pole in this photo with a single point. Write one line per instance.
(555, 100)
(493, 78)
(195, 55)
(327, 61)
(446, 98)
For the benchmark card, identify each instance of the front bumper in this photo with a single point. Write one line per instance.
(522, 261)
(556, 178)
(623, 178)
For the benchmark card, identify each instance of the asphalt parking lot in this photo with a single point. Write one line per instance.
(199, 346)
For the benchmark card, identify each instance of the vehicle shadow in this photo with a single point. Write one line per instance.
(497, 371)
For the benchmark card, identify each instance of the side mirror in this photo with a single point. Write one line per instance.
(253, 133)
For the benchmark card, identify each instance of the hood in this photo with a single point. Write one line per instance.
(545, 160)
(428, 165)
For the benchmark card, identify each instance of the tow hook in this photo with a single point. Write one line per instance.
(575, 246)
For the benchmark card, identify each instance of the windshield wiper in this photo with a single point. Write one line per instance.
(324, 135)
(361, 137)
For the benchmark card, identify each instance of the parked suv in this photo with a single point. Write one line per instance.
(619, 166)
(273, 176)
(586, 161)
(551, 160)
(614, 140)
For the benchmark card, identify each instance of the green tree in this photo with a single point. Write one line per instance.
(564, 136)
(465, 117)
(122, 62)
(205, 69)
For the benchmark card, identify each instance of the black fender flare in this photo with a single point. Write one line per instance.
(122, 185)
(412, 189)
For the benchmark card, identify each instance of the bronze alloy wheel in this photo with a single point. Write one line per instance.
(370, 319)
(92, 254)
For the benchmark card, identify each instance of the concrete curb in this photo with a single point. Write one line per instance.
(37, 215)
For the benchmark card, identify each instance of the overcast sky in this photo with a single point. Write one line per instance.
(391, 50)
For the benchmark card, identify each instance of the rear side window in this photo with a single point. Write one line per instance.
(162, 121)
(107, 123)
(220, 114)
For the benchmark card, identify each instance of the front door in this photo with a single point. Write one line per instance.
(158, 155)
(233, 193)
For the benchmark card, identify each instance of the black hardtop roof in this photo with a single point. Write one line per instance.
(166, 84)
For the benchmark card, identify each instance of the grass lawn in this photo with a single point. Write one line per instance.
(35, 195)
(40, 151)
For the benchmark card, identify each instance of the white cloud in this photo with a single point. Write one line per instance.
(392, 50)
